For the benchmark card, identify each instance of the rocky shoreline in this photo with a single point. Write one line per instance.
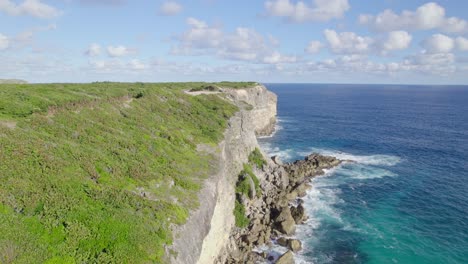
(274, 214)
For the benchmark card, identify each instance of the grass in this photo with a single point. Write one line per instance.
(243, 187)
(214, 87)
(239, 214)
(256, 158)
(97, 173)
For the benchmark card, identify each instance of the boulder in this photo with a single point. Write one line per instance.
(285, 222)
(298, 213)
(286, 258)
(294, 245)
(277, 160)
(287, 227)
(282, 241)
(302, 188)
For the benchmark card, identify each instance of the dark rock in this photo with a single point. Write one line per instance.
(298, 213)
(277, 160)
(286, 258)
(301, 189)
(282, 241)
(312, 165)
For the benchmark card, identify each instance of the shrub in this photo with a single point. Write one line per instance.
(256, 158)
(239, 214)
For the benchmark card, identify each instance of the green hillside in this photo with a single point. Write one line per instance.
(96, 173)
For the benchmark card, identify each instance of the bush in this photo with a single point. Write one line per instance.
(239, 213)
(256, 158)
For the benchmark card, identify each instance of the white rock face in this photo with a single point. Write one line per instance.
(264, 105)
(206, 234)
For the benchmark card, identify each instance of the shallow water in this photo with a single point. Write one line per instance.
(404, 199)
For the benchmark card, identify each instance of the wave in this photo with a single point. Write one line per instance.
(324, 200)
(383, 160)
(284, 154)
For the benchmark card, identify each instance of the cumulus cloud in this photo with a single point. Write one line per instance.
(243, 44)
(441, 64)
(93, 50)
(170, 8)
(4, 42)
(118, 51)
(347, 42)
(462, 43)
(102, 2)
(426, 17)
(314, 47)
(33, 8)
(438, 43)
(321, 10)
(137, 65)
(397, 40)
(351, 43)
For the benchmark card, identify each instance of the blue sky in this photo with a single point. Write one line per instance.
(323, 41)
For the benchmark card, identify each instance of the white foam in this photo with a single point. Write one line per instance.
(283, 154)
(383, 160)
(322, 199)
(363, 172)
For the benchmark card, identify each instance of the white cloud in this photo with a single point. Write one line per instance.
(243, 44)
(4, 42)
(426, 17)
(347, 42)
(438, 43)
(441, 64)
(137, 65)
(314, 46)
(323, 10)
(33, 8)
(93, 50)
(462, 43)
(118, 51)
(170, 8)
(396, 40)
(351, 43)
(278, 58)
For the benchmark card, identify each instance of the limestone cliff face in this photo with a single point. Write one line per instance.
(264, 105)
(206, 234)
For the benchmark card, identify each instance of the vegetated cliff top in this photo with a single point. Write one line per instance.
(13, 81)
(98, 172)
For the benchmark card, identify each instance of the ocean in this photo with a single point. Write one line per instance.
(405, 198)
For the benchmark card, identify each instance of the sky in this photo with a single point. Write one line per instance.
(309, 41)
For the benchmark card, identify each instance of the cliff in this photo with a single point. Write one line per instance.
(249, 199)
(206, 234)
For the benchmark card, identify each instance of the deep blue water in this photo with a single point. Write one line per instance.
(405, 200)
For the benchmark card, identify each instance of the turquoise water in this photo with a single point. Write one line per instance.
(405, 199)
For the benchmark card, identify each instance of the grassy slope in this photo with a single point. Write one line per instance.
(74, 170)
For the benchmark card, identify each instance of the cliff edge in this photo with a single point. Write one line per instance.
(206, 234)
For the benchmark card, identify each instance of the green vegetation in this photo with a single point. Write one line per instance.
(209, 88)
(239, 214)
(214, 87)
(256, 158)
(236, 85)
(243, 188)
(96, 173)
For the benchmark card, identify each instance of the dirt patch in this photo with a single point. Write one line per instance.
(8, 124)
(127, 101)
(201, 92)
